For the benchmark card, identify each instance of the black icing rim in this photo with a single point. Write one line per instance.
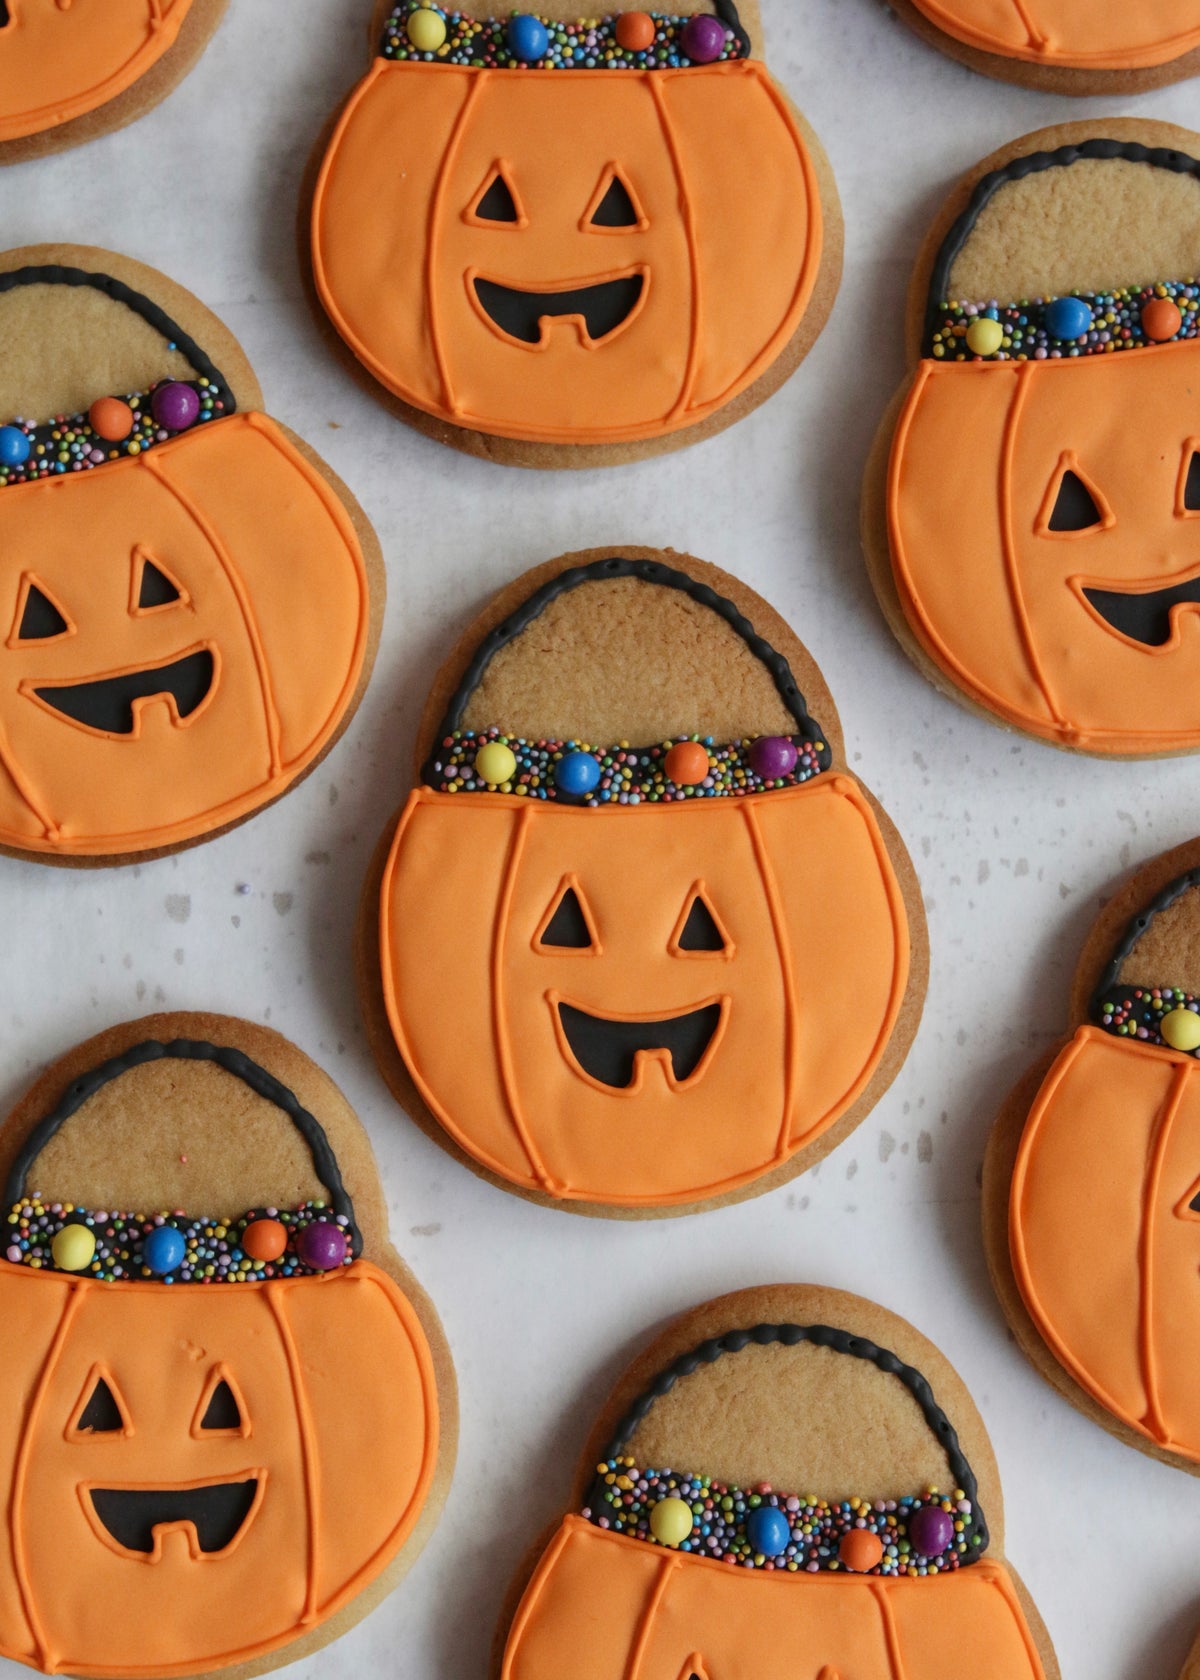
(234, 1062)
(53, 274)
(1033, 163)
(840, 1341)
(648, 571)
(1134, 929)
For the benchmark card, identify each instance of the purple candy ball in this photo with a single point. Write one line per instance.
(703, 39)
(772, 757)
(930, 1531)
(322, 1246)
(175, 406)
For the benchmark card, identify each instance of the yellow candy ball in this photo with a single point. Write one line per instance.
(671, 1522)
(1181, 1029)
(73, 1248)
(426, 30)
(984, 336)
(495, 764)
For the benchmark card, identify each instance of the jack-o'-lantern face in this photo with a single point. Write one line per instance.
(1067, 34)
(523, 251)
(60, 59)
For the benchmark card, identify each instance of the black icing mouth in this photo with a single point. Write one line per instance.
(608, 1050)
(1144, 615)
(217, 1512)
(603, 307)
(106, 704)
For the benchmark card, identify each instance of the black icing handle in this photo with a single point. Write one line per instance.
(1135, 927)
(234, 1062)
(840, 1341)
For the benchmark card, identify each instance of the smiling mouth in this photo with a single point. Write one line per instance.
(106, 703)
(216, 1512)
(608, 1049)
(522, 315)
(1144, 615)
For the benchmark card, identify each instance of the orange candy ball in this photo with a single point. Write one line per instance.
(265, 1239)
(1161, 319)
(111, 418)
(860, 1550)
(686, 763)
(635, 31)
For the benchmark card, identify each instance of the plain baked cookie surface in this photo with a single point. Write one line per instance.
(1031, 507)
(1104, 1300)
(190, 599)
(638, 940)
(832, 1507)
(601, 252)
(228, 1418)
(71, 70)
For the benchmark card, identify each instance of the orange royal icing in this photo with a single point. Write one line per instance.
(335, 1385)
(604, 1606)
(994, 598)
(62, 58)
(272, 586)
(1105, 1245)
(727, 244)
(808, 986)
(1072, 34)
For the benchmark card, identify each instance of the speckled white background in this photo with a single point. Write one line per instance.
(1015, 844)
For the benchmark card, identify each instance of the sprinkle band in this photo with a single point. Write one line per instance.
(615, 41)
(761, 1529)
(111, 430)
(1163, 1015)
(1075, 324)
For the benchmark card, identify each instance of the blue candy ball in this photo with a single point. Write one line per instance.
(577, 772)
(163, 1249)
(15, 447)
(1068, 317)
(528, 37)
(767, 1530)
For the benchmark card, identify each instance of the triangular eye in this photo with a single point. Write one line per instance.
(567, 926)
(1074, 507)
(497, 202)
(699, 931)
(101, 1413)
(616, 208)
(39, 618)
(222, 1411)
(1191, 484)
(155, 589)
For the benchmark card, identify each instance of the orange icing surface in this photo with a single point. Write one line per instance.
(995, 599)
(809, 985)
(1073, 34)
(604, 1606)
(62, 58)
(728, 243)
(1104, 1244)
(336, 1387)
(272, 583)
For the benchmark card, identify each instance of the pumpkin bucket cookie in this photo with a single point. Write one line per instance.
(775, 1484)
(189, 599)
(227, 1419)
(637, 940)
(562, 243)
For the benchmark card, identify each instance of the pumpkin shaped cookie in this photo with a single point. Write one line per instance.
(567, 243)
(74, 69)
(1065, 46)
(189, 599)
(1105, 1301)
(1032, 507)
(637, 940)
(228, 1419)
(822, 1514)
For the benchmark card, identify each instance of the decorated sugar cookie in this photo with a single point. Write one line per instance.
(562, 242)
(1032, 508)
(1066, 46)
(228, 1411)
(638, 940)
(188, 597)
(74, 69)
(788, 1480)
(1105, 1301)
